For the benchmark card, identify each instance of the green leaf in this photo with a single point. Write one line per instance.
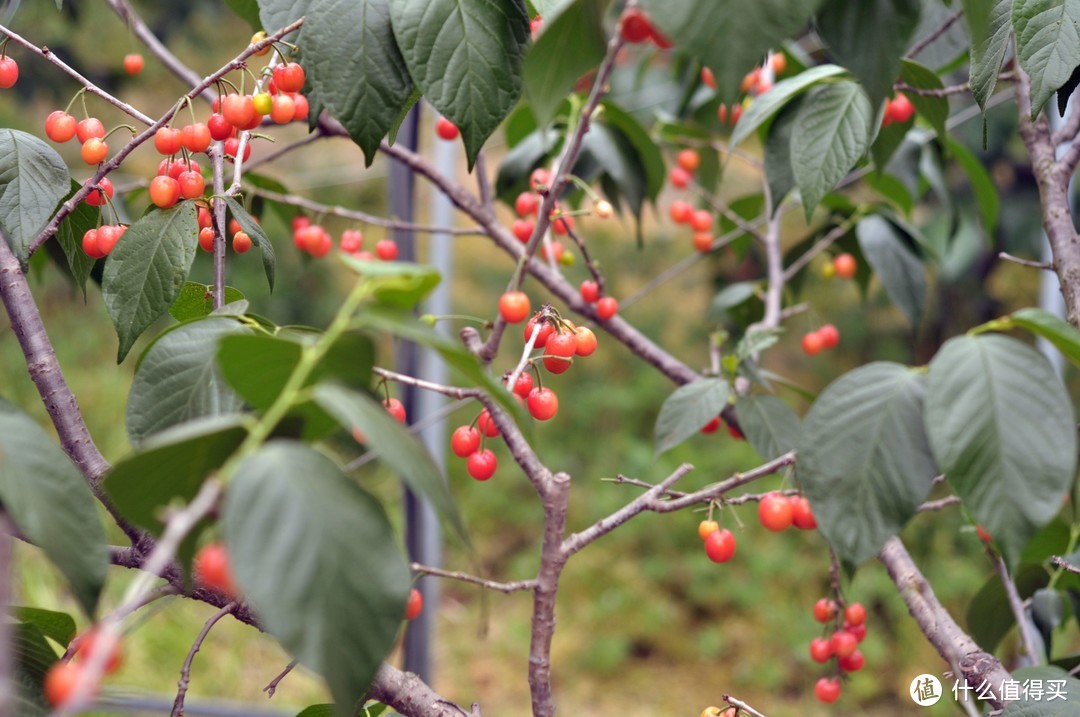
(934, 110)
(1047, 612)
(1001, 425)
(1042, 705)
(315, 557)
(196, 301)
(276, 14)
(355, 66)
(688, 409)
(765, 106)
(769, 424)
(732, 295)
(648, 152)
(778, 170)
(900, 271)
(988, 51)
(832, 131)
(56, 625)
(612, 153)
(33, 657)
(466, 56)
(258, 237)
(977, 14)
(986, 194)
(69, 235)
(33, 180)
(146, 270)
(869, 37)
(572, 43)
(172, 465)
(246, 10)
(395, 283)
(397, 447)
(1047, 44)
(864, 460)
(50, 503)
(989, 616)
(178, 380)
(1054, 329)
(317, 711)
(730, 36)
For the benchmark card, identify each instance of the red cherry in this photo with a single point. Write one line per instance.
(241, 242)
(107, 237)
(9, 72)
(465, 441)
(708, 78)
(289, 77)
(680, 179)
(802, 516)
(827, 690)
(309, 238)
(192, 184)
(386, 250)
(446, 129)
(559, 348)
(720, 546)
(219, 127)
(487, 425)
(830, 336)
(855, 614)
(90, 244)
(97, 197)
(820, 649)
(774, 512)
(164, 191)
(88, 128)
(524, 384)
(232, 146)
(482, 464)
(635, 26)
(540, 179)
(852, 663)
(900, 109)
(395, 409)
(351, 240)
(586, 341)
(606, 307)
(167, 141)
(561, 224)
(681, 211)
(812, 343)
(721, 111)
(522, 229)
(703, 242)
(212, 569)
(590, 291)
(736, 113)
(62, 681)
(414, 605)
(60, 126)
(133, 63)
(844, 643)
(546, 330)
(711, 426)
(824, 610)
(282, 109)
(542, 403)
(526, 203)
(238, 110)
(845, 265)
(206, 239)
(94, 150)
(859, 631)
(196, 137)
(514, 306)
(688, 159)
(301, 104)
(701, 220)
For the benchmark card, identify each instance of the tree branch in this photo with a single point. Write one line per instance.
(516, 586)
(172, 63)
(1017, 607)
(185, 671)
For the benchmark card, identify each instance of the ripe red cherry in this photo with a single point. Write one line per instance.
(526, 203)
(559, 348)
(289, 77)
(590, 291)
(191, 184)
(97, 197)
(90, 244)
(542, 403)
(845, 265)
(212, 569)
(844, 643)
(859, 631)
(522, 229)
(546, 330)
(219, 127)
(465, 441)
(414, 605)
(680, 178)
(899, 109)
(561, 224)
(708, 78)
(802, 516)
(94, 150)
(827, 690)
(446, 129)
(206, 239)
(586, 341)
(164, 191)
(133, 63)
(830, 336)
(88, 128)
(720, 546)
(701, 220)
(241, 242)
(688, 159)
(107, 237)
(196, 137)
(703, 242)
(524, 384)
(774, 512)
(282, 109)
(9, 72)
(60, 126)
(482, 464)
(62, 681)
(712, 426)
(983, 535)
(514, 306)
(487, 425)
(301, 104)
(238, 110)
(606, 307)
(820, 649)
(812, 343)
(232, 146)
(852, 663)
(706, 528)
(167, 141)
(635, 26)
(855, 614)
(824, 610)
(540, 179)
(386, 250)
(681, 211)
(395, 408)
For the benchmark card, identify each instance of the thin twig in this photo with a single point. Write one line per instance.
(819, 246)
(938, 32)
(156, 47)
(1044, 265)
(940, 504)
(271, 686)
(1065, 564)
(482, 182)
(185, 671)
(740, 705)
(1016, 604)
(512, 587)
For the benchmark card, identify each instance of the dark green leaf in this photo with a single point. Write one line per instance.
(769, 424)
(688, 409)
(977, 15)
(864, 460)
(900, 271)
(988, 51)
(765, 106)
(733, 295)
(178, 380)
(395, 283)
(1054, 329)
(33, 657)
(1047, 44)
(519, 162)
(891, 189)
(1042, 704)
(832, 131)
(258, 237)
(276, 14)
(869, 37)
(648, 153)
(466, 56)
(172, 466)
(146, 270)
(778, 156)
(293, 524)
(56, 625)
(70, 234)
(33, 180)
(572, 43)
(611, 152)
(934, 110)
(396, 446)
(317, 711)
(246, 10)
(1001, 425)
(986, 193)
(730, 36)
(989, 616)
(50, 503)
(196, 301)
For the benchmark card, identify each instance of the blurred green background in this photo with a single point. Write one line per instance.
(646, 624)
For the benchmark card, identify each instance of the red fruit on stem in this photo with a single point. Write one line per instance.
(89, 128)
(708, 78)
(206, 239)
(108, 235)
(558, 350)
(701, 220)
(395, 408)
(827, 690)
(446, 129)
(522, 229)
(487, 425)
(681, 211)
(859, 631)
(524, 384)
(351, 240)
(852, 663)
(774, 512)
(900, 109)
(289, 77)
(679, 178)
(212, 569)
(60, 126)
(590, 291)
(232, 146)
(586, 341)
(91, 642)
(845, 265)
(514, 306)
(539, 179)
(844, 643)
(63, 680)
(9, 72)
(164, 191)
(97, 197)
(606, 307)
(133, 63)
(802, 516)
(711, 426)
(526, 204)
(855, 614)
(635, 26)
(301, 104)
(282, 109)
(167, 141)
(191, 184)
(703, 242)
(546, 330)
(219, 127)
(241, 242)
(812, 343)
(830, 336)
(196, 137)
(720, 546)
(238, 110)
(386, 249)
(542, 403)
(688, 159)
(482, 464)
(90, 244)
(465, 441)
(821, 649)
(94, 150)
(414, 605)
(824, 610)
(706, 528)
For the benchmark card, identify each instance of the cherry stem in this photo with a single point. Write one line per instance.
(77, 95)
(590, 263)
(128, 127)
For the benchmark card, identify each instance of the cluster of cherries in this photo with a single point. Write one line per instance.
(842, 643)
(754, 83)
(700, 221)
(776, 512)
(315, 240)
(828, 336)
(527, 205)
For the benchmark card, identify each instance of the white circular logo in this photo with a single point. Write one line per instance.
(925, 690)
